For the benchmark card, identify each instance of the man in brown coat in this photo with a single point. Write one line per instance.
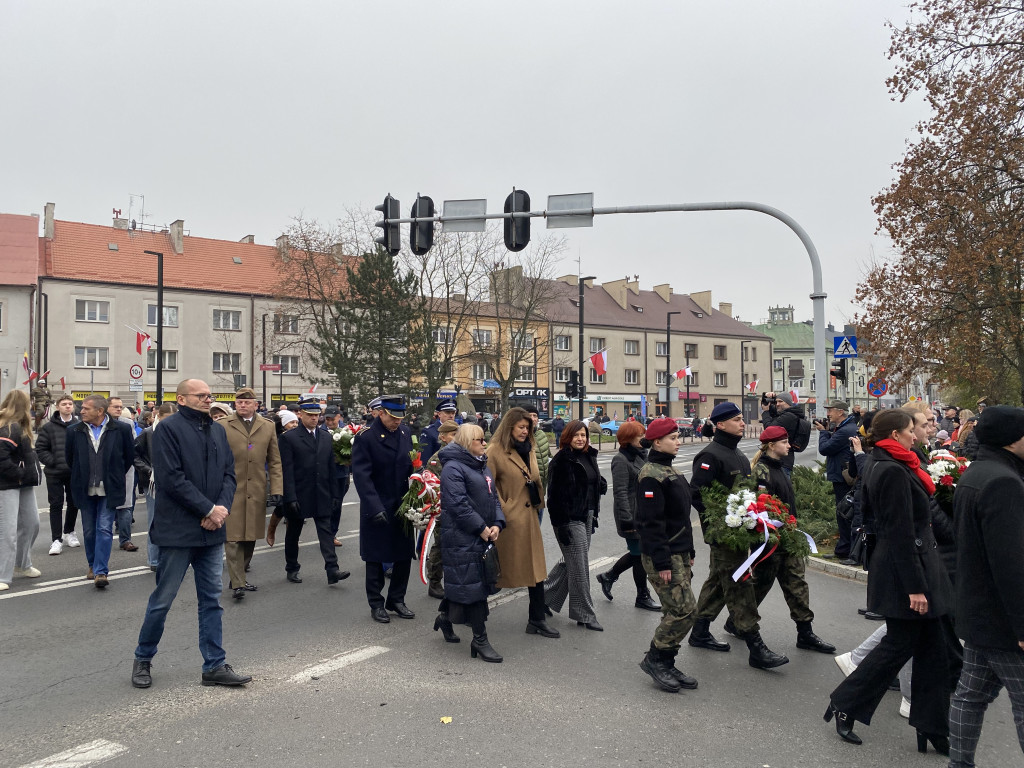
(253, 441)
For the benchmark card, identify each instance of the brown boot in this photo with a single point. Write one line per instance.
(272, 528)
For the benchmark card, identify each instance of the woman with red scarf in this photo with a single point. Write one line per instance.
(907, 584)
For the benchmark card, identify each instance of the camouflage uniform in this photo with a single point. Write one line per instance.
(678, 604)
(435, 569)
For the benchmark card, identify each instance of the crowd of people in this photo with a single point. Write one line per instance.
(209, 472)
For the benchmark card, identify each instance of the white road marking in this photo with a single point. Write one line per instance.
(337, 662)
(92, 753)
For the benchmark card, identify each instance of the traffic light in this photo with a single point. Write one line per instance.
(572, 387)
(839, 370)
(517, 231)
(421, 234)
(392, 238)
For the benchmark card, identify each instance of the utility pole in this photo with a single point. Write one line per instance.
(668, 362)
(159, 325)
(582, 392)
(263, 368)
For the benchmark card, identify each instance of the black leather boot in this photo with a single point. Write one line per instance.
(606, 580)
(761, 656)
(444, 624)
(684, 680)
(644, 601)
(654, 665)
(701, 637)
(806, 639)
(481, 647)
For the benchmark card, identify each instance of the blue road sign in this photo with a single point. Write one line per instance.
(877, 387)
(844, 346)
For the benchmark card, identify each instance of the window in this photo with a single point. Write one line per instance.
(596, 344)
(288, 363)
(796, 383)
(753, 354)
(595, 378)
(660, 378)
(87, 311)
(522, 340)
(229, 362)
(227, 320)
(746, 352)
(720, 380)
(720, 352)
(440, 334)
(632, 347)
(170, 360)
(442, 370)
(690, 350)
(481, 371)
(661, 349)
(170, 316)
(562, 374)
(286, 323)
(691, 379)
(563, 344)
(525, 373)
(776, 365)
(632, 375)
(1, 317)
(481, 338)
(90, 357)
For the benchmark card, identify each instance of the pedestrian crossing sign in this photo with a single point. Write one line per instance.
(844, 346)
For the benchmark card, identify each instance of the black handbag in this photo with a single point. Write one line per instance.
(491, 566)
(844, 509)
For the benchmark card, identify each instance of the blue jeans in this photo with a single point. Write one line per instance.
(98, 528)
(207, 568)
(152, 550)
(124, 524)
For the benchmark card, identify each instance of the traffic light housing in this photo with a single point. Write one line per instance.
(572, 387)
(421, 233)
(391, 239)
(517, 231)
(839, 370)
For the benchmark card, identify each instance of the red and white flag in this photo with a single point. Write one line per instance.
(24, 363)
(142, 338)
(795, 394)
(752, 386)
(682, 373)
(63, 383)
(600, 362)
(313, 388)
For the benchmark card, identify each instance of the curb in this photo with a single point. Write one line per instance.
(854, 573)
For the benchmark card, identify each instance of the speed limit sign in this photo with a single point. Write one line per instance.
(135, 371)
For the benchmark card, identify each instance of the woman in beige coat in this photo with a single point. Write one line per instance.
(253, 442)
(513, 464)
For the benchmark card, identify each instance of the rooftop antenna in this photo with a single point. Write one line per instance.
(141, 218)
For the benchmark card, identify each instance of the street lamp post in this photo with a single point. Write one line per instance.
(266, 401)
(159, 325)
(583, 282)
(668, 364)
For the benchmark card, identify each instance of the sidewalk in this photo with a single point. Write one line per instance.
(834, 568)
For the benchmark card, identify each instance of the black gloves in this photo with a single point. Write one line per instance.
(274, 499)
(563, 535)
(292, 509)
(595, 522)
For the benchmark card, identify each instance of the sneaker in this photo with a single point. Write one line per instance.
(71, 540)
(56, 548)
(905, 708)
(4, 586)
(845, 663)
(28, 573)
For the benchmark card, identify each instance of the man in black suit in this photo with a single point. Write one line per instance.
(307, 462)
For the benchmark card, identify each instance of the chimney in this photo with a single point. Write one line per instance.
(664, 290)
(248, 239)
(48, 221)
(617, 290)
(120, 223)
(177, 234)
(282, 245)
(633, 285)
(703, 300)
(568, 279)
(725, 307)
(338, 251)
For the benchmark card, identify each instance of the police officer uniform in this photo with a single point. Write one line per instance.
(430, 443)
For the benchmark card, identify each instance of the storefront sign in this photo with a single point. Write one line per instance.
(529, 392)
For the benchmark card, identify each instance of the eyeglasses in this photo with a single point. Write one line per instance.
(201, 395)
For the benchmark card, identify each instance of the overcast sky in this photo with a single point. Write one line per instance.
(238, 116)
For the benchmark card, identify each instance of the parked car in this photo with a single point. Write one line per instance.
(685, 426)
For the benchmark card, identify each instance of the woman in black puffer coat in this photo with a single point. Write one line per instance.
(470, 521)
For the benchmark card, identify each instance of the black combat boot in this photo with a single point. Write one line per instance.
(701, 637)
(481, 647)
(806, 639)
(661, 672)
(644, 601)
(684, 680)
(761, 656)
(731, 628)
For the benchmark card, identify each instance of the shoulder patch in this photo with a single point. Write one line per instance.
(705, 466)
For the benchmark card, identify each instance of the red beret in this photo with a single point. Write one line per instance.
(661, 427)
(774, 433)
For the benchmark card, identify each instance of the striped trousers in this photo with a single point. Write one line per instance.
(571, 575)
(986, 672)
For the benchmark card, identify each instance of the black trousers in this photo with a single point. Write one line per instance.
(400, 571)
(292, 533)
(925, 640)
(56, 490)
(538, 608)
(840, 490)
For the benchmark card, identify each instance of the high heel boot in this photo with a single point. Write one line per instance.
(442, 623)
(844, 725)
(941, 743)
(481, 647)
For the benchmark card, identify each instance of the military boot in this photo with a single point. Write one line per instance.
(684, 680)
(761, 656)
(654, 665)
(806, 639)
(701, 637)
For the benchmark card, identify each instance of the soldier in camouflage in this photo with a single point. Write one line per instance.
(666, 547)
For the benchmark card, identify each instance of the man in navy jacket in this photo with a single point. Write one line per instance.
(194, 472)
(834, 445)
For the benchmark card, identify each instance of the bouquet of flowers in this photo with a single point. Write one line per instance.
(423, 499)
(341, 442)
(738, 519)
(945, 470)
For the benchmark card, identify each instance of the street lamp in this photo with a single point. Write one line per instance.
(583, 282)
(668, 363)
(159, 325)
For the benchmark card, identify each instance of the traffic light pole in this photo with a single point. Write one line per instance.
(817, 296)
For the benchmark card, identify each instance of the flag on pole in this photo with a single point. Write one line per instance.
(682, 373)
(752, 386)
(600, 362)
(63, 383)
(24, 362)
(313, 388)
(43, 375)
(795, 394)
(142, 338)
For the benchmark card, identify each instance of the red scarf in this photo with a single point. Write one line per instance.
(908, 457)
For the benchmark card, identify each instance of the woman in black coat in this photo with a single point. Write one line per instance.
(575, 487)
(470, 521)
(626, 466)
(907, 584)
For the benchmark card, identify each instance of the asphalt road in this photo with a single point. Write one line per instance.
(332, 687)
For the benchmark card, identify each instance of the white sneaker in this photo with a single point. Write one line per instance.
(845, 662)
(905, 708)
(56, 548)
(4, 586)
(71, 540)
(28, 573)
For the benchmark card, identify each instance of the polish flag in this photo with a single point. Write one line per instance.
(795, 394)
(600, 362)
(752, 386)
(682, 373)
(142, 338)
(63, 384)
(313, 389)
